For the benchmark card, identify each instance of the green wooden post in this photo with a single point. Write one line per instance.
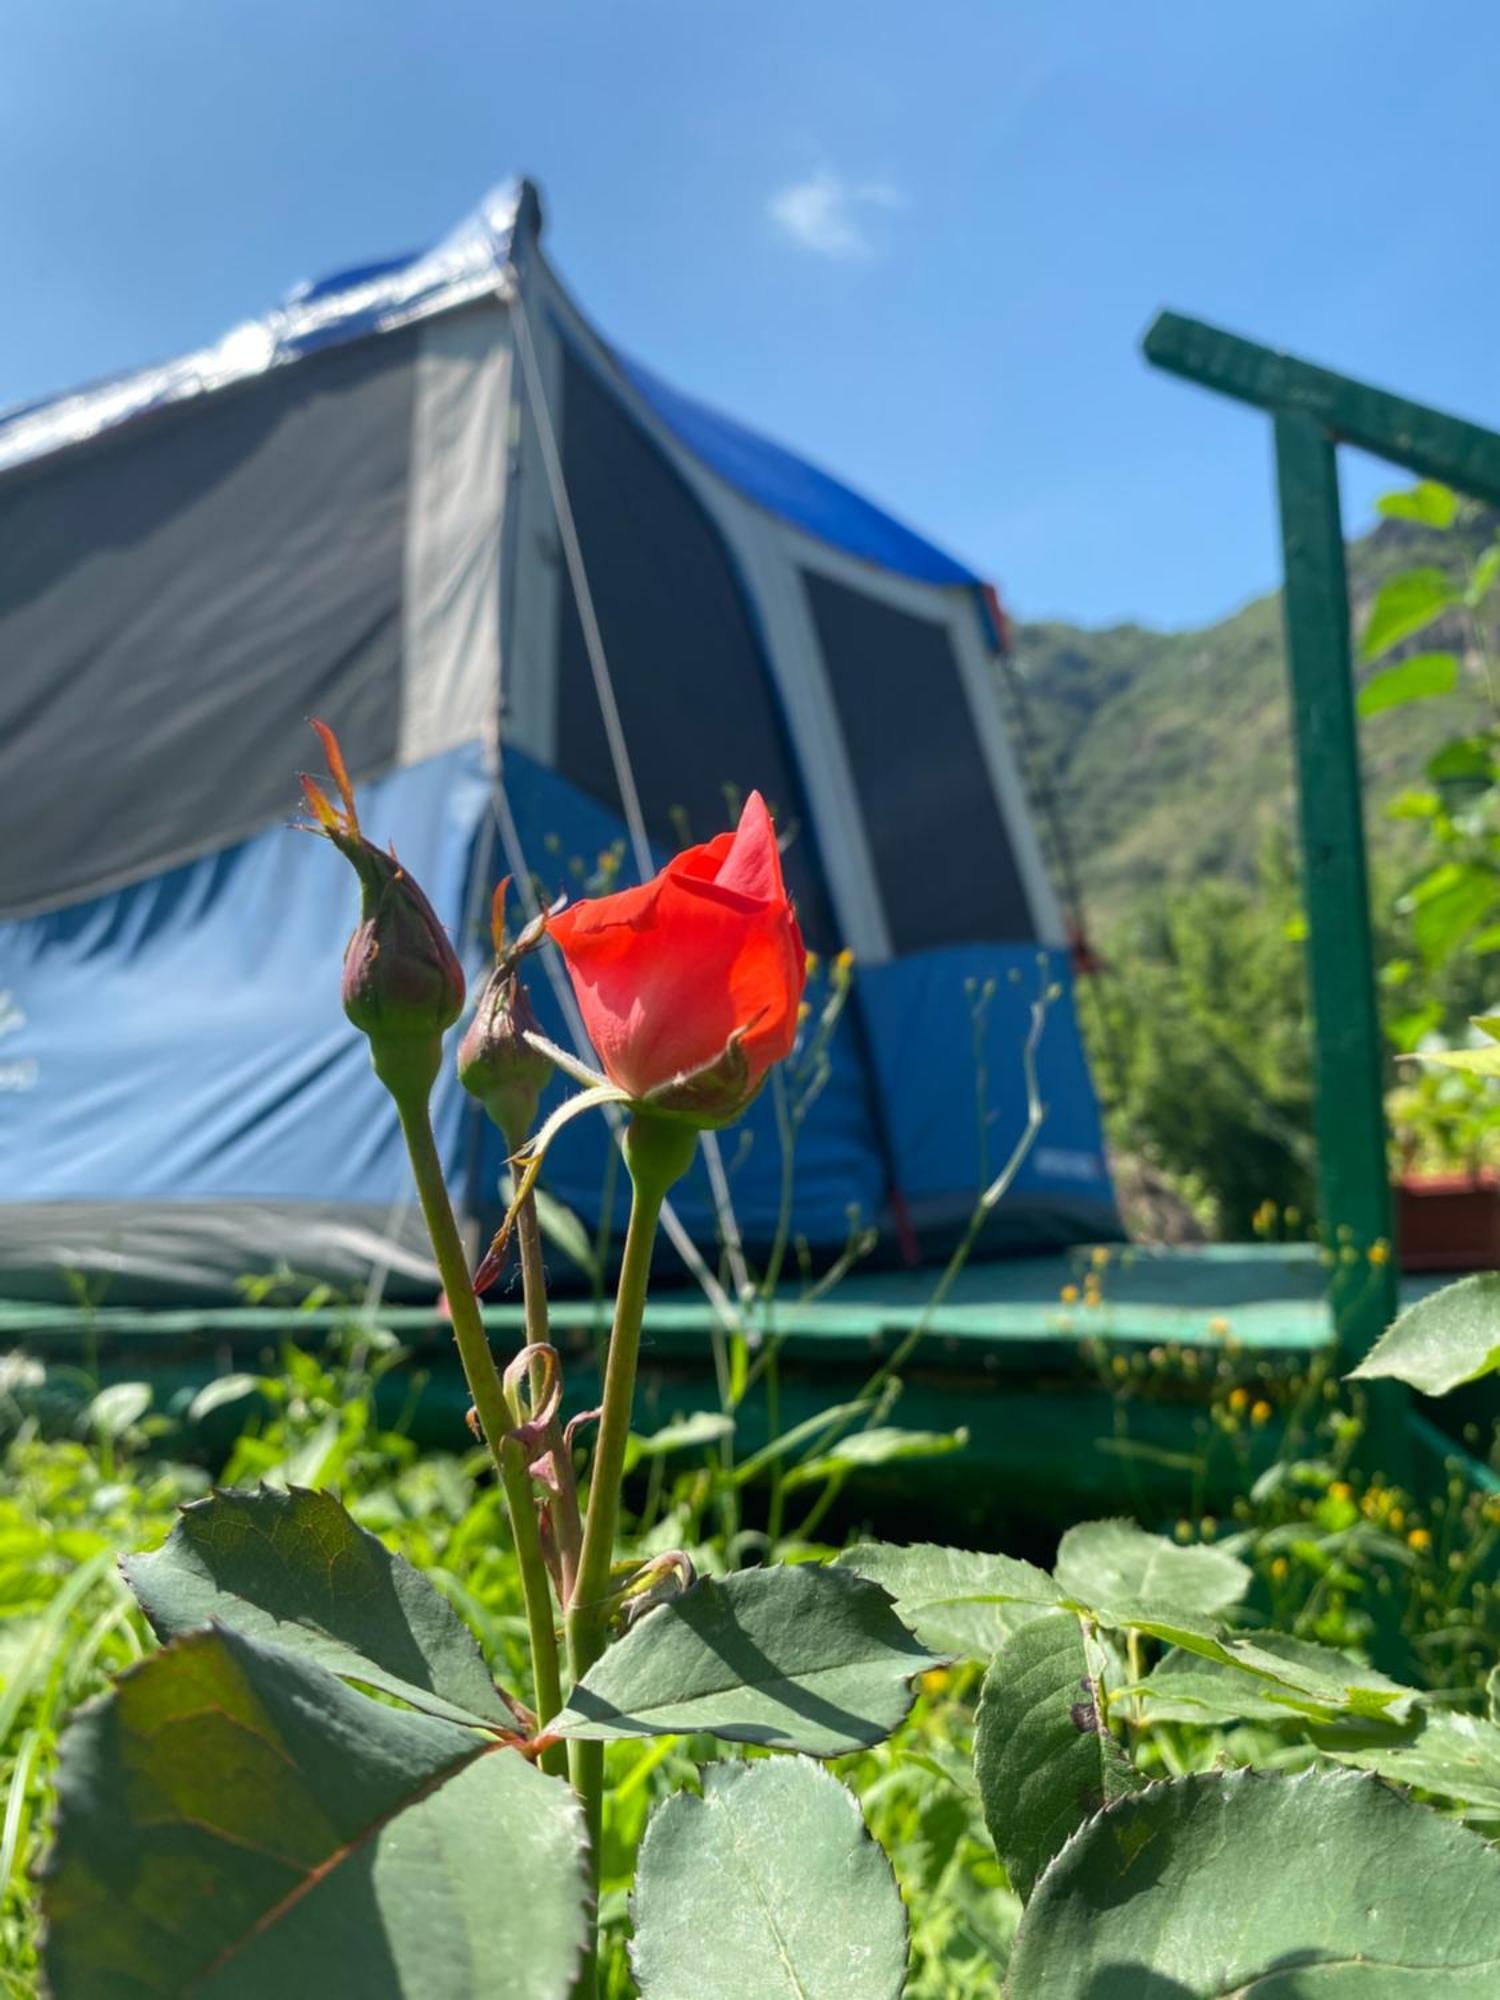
(1313, 410)
(1353, 1174)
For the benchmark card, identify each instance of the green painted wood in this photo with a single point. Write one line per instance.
(1428, 442)
(1009, 1314)
(1353, 1174)
(1312, 410)
(1051, 1439)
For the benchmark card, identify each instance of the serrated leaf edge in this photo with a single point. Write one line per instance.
(237, 1496)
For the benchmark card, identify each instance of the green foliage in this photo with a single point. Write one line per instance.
(1450, 1337)
(1184, 1687)
(1044, 1754)
(1243, 1693)
(234, 1819)
(1418, 678)
(795, 1658)
(1347, 1560)
(1481, 1061)
(1315, 1682)
(1118, 1563)
(1442, 1119)
(295, 1568)
(1230, 1882)
(1101, 1563)
(1450, 901)
(1199, 1032)
(1269, 1676)
(1198, 1037)
(881, 1444)
(768, 1887)
(962, 1605)
(1429, 502)
(1169, 752)
(1455, 1757)
(66, 1624)
(1405, 604)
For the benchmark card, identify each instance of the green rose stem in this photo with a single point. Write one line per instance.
(568, 1523)
(496, 1417)
(657, 1153)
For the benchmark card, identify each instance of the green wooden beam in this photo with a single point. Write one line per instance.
(1312, 411)
(1353, 1173)
(1427, 442)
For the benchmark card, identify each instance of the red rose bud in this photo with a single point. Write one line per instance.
(403, 986)
(496, 1063)
(690, 985)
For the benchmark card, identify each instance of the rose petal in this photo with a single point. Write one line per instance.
(752, 866)
(665, 974)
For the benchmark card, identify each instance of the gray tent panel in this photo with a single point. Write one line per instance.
(942, 854)
(696, 702)
(178, 598)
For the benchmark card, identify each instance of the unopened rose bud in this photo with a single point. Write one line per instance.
(496, 1063)
(403, 986)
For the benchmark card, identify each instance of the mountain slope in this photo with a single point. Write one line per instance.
(1168, 754)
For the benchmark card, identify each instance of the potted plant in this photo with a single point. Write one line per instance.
(1444, 1130)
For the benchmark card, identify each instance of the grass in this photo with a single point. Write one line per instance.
(1338, 1556)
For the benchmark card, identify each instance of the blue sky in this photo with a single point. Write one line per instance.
(919, 244)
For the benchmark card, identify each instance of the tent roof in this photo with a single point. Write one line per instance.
(372, 298)
(784, 484)
(470, 264)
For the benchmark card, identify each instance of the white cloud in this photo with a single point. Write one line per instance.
(829, 215)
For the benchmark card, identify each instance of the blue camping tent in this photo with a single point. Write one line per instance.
(561, 616)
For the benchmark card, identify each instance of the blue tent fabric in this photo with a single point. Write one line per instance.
(792, 488)
(196, 1021)
(948, 1028)
(184, 1036)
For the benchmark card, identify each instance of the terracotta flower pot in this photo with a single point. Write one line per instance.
(1448, 1222)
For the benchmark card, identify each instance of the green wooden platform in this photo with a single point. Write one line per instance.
(1070, 1409)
